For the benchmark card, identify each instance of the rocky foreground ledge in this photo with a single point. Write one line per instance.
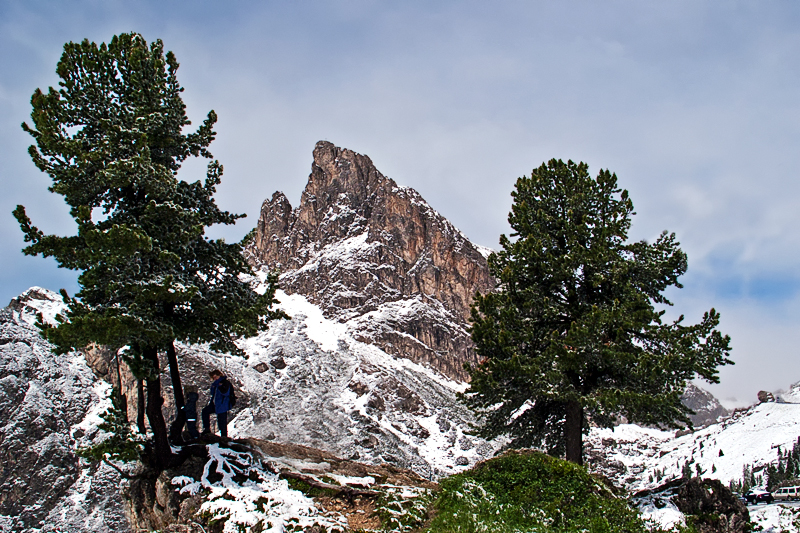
(255, 485)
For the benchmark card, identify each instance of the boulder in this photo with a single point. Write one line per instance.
(707, 504)
(764, 396)
(712, 507)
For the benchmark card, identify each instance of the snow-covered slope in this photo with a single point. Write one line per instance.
(644, 458)
(308, 381)
(790, 396)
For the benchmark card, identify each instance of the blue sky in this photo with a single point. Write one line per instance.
(693, 104)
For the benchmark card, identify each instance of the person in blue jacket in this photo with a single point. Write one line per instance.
(219, 403)
(190, 409)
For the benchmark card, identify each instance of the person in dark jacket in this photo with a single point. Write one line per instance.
(219, 403)
(190, 409)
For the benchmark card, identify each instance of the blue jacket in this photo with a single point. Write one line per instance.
(220, 395)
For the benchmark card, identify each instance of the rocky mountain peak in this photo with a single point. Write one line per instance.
(368, 252)
(705, 405)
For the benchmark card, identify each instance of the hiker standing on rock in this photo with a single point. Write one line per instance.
(221, 400)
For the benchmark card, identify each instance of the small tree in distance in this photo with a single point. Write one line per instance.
(572, 333)
(111, 138)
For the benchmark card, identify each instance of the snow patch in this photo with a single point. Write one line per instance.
(269, 501)
(775, 518)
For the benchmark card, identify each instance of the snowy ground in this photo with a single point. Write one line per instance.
(776, 518)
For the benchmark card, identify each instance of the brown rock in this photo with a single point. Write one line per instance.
(358, 243)
(278, 363)
(764, 396)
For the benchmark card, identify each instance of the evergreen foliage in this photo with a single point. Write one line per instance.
(111, 138)
(120, 444)
(751, 478)
(573, 330)
(786, 470)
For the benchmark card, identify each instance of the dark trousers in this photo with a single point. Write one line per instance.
(191, 426)
(222, 420)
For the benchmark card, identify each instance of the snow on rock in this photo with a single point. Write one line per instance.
(35, 301)
(360, 246)
(622, 453)
(263, 499)
(255, 485)
(705, 405)
(49, 406)
(661, 513)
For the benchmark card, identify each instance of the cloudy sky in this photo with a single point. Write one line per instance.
(693, 104)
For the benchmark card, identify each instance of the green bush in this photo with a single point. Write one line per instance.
(530, 491)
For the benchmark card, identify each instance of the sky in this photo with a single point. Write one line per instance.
(693, 104)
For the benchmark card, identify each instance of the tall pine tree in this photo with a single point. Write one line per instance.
(573, 334)
(111, 138)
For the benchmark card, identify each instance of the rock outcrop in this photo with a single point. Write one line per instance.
(49, 406)
(706, 504)
(377, 256)
(765, 396)
(712, 507)
(254, 485)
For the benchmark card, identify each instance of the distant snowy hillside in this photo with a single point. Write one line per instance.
(644, 458)
(790, 396)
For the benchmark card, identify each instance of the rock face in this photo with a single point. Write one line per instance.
(49, 406)
(308, 381)
(705, 405)
(377, 256)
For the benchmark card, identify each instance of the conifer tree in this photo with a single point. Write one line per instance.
(111, 139)
(573, 333)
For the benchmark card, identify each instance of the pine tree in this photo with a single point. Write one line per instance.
(573, 331)
(111, 138)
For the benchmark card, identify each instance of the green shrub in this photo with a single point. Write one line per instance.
(530, 491)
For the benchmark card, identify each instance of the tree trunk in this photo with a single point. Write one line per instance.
(123, 398)
(176, 428)
(140, 407)
(162, 451)
(573, 432)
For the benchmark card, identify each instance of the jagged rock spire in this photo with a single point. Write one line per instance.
(376, 255)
